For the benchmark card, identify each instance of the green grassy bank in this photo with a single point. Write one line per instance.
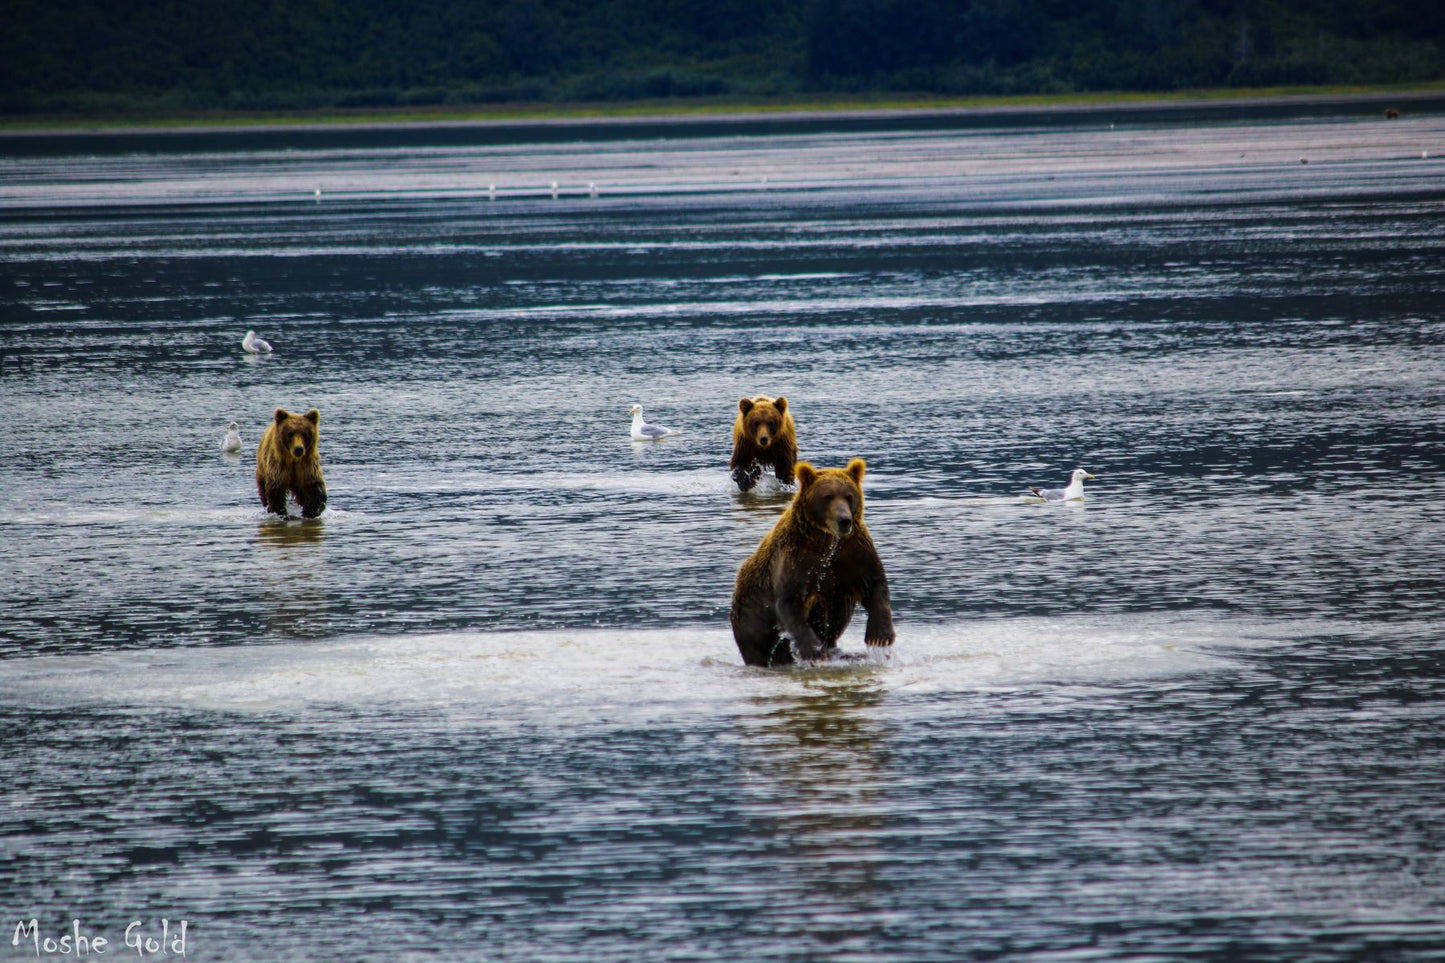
(704, 108)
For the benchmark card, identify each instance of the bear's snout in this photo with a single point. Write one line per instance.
(298, 450)
(764, 440)
(842, 518)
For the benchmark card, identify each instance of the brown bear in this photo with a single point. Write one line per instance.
(287, 461)
(809, 572)
(763, 434)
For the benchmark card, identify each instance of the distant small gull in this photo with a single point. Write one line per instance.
(233, 438)
(642, 431)
(1073, 492)
(255, 345)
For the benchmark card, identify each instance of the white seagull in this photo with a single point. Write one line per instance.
(233, 439)
(1073, 492)
(642, 431)
(255, 345)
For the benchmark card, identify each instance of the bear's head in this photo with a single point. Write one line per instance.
(296, 434)
(762, 419)
(831, 498)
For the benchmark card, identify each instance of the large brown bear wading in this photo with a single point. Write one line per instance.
(809, 573)
(763, 434)
(287, 461)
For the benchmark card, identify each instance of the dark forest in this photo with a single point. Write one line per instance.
(119, 56)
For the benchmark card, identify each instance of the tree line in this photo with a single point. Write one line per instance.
(102, 56)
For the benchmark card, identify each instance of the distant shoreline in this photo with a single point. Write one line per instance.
(722, 114)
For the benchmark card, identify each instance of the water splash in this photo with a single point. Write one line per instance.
(815, 597)
(826, 563)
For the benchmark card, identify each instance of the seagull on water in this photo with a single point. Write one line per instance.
(642, 431)
(255, 345)
(232, 443)
(1074, 491)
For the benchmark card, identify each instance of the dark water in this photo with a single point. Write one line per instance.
(488, 707)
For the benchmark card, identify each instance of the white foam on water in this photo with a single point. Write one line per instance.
(619, 676)
(686, 482)
(188, 515)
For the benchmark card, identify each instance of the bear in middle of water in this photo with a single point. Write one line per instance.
(809, 572)
(763, 434)
(287, 463)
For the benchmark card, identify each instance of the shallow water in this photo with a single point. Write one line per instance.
(488, 706)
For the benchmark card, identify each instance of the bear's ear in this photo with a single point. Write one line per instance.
(855, 470)
(746, 405)
(313, 416)
(805, 473)
(781, 404)
(281, 415)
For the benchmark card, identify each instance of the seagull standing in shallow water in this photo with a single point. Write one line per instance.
(642, 431)
(1073, 492)
(232, 443)
(255, 345)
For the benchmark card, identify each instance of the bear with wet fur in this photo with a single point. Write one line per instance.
(763, 434)
(287, 462)
(809, 573)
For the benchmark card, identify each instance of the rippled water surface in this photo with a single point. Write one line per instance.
(488, 705)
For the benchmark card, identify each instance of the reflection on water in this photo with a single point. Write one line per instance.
(291, 534)
(489, 705)
(293, 572)
(812, 773)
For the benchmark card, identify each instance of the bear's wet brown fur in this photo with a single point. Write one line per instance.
(287, 461)
(763, 434)
(809, 573)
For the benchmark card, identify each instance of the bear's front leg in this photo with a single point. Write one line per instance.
(783, 466)
(794, 622)
(746, 476)
(312, 503)
(879, 629)
(274, 498)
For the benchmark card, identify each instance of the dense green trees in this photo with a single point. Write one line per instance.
(59, 55)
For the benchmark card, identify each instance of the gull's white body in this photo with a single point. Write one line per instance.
(1074, 491)
(232, 442)
(642, 431)
(255, 345)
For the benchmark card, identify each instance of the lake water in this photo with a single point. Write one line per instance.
(488, 707)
